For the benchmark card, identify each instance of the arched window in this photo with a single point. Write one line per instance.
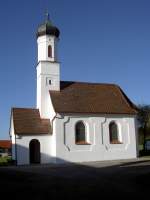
(49, 51)
(113, 133)
(80, 133)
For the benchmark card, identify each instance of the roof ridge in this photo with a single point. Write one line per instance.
(93, 83)
(24, 108)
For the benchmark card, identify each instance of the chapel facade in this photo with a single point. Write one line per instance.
(72, 121)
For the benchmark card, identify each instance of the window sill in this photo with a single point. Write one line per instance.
(82, 143)
(116, 142)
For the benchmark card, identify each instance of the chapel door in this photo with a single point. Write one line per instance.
(34, 148)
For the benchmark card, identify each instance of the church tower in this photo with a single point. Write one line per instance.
(48, 67)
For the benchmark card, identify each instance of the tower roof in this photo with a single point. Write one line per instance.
(47, 28)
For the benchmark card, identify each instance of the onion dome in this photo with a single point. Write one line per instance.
(48, 28)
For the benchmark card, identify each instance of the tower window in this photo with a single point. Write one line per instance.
(49, 51)
(50, 82)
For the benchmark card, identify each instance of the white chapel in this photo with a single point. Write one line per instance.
(72, 121)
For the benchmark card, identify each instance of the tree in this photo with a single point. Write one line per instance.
(144, 120)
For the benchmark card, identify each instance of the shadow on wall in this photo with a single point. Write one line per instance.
(32, 155)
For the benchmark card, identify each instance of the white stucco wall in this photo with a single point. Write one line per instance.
(12, 135)
(97, 128)
(60, 146)
(47, 71)
(46, 149)
(43, 43)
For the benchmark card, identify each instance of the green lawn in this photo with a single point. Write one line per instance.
(5, 160)
(141, 147)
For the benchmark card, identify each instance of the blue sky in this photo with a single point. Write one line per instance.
(101, 41)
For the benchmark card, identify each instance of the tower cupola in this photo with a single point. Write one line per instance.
(47, 39)
(47, 28)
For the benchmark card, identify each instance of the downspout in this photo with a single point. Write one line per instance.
(16, 151)
(11, 137)
(64, 123)
(53, 121)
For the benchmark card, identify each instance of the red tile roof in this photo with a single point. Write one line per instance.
(5, 144)
(28, 121)
(78, 97)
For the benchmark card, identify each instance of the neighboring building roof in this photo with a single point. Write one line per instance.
(27, 121)
(5, 144)
(92, 98)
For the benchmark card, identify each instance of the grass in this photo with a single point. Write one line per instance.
(141, 147)
(5, 160)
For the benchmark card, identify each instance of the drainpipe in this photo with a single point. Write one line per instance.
(64, 132)
(16, 151)
(53, 121)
